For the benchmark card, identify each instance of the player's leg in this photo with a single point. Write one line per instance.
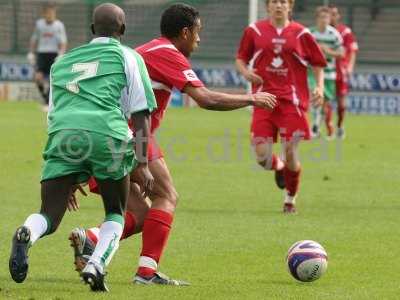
(328, 112)
(83, 241)
(330, 96)
(111, 161)
(157, 226)
(264, 135)
(39, 78)
(316, 113)
(341, 93)
(292, 173)
(115, 195)
(55, 194)
(341, 111)
(295, 123)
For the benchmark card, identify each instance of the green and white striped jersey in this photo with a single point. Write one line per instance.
(97, 86)
(332, 38)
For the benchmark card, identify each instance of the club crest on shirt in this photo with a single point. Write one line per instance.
(277, 62)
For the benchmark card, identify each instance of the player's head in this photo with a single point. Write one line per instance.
(280, 9)
(335, 14)
(322, 17)
(108, 20)
(50, 12)
(181, 24)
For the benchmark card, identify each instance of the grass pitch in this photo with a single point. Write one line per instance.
(229, 237)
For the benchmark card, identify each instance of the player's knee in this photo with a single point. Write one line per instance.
(290, 152)
(170, 198)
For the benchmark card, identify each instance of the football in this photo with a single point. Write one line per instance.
(307, 260)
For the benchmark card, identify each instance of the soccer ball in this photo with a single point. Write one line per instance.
(307, 260)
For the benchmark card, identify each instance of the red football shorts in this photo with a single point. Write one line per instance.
(153, 152)
(342, 85)
(287, 120)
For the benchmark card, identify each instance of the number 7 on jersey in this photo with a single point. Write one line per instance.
(88, 70)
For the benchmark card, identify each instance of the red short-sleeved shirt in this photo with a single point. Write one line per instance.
(350, 45)
(281, 58)
(168, 68)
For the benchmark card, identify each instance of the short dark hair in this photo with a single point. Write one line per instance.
(49, 5)
(176, 17)
(321, 9)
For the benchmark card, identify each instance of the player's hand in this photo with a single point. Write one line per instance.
(31, 58)
(254, 78)
(73, 203)
(324, 48)
(143, 177)
(350, 70)
(264, 100)
(317, 97)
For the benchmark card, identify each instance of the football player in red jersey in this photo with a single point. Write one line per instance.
(273, 55)
(167, 62)
(344, 67)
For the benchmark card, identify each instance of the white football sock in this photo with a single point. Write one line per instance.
(38, 226)
(317, 116)
(108, 242)
(147, 262)
(290, 199)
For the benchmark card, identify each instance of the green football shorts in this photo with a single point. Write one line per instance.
(86, 154)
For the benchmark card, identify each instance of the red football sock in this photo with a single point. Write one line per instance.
(130, 224)
(292, 181)
(155, 234)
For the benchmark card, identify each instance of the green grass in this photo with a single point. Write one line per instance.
(230, 237)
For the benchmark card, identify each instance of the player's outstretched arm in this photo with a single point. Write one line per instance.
(211, 100)
(142, 174)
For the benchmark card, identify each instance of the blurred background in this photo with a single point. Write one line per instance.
(375, 84)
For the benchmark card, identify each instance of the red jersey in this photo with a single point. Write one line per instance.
(168, 68)
(281, 58)
(350, 45)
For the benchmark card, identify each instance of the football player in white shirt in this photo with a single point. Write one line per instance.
(48, 41)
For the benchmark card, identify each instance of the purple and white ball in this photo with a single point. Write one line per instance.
(307, 260)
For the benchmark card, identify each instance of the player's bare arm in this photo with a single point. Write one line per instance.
(247, 73)
(211, 100)
(142, 175)
(339, 53)
(318, 93)
(62, 49)
(352, 62)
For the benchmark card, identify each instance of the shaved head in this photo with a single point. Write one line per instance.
(108, 20)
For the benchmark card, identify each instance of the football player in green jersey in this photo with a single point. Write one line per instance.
(331, 43)
(95, 89)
